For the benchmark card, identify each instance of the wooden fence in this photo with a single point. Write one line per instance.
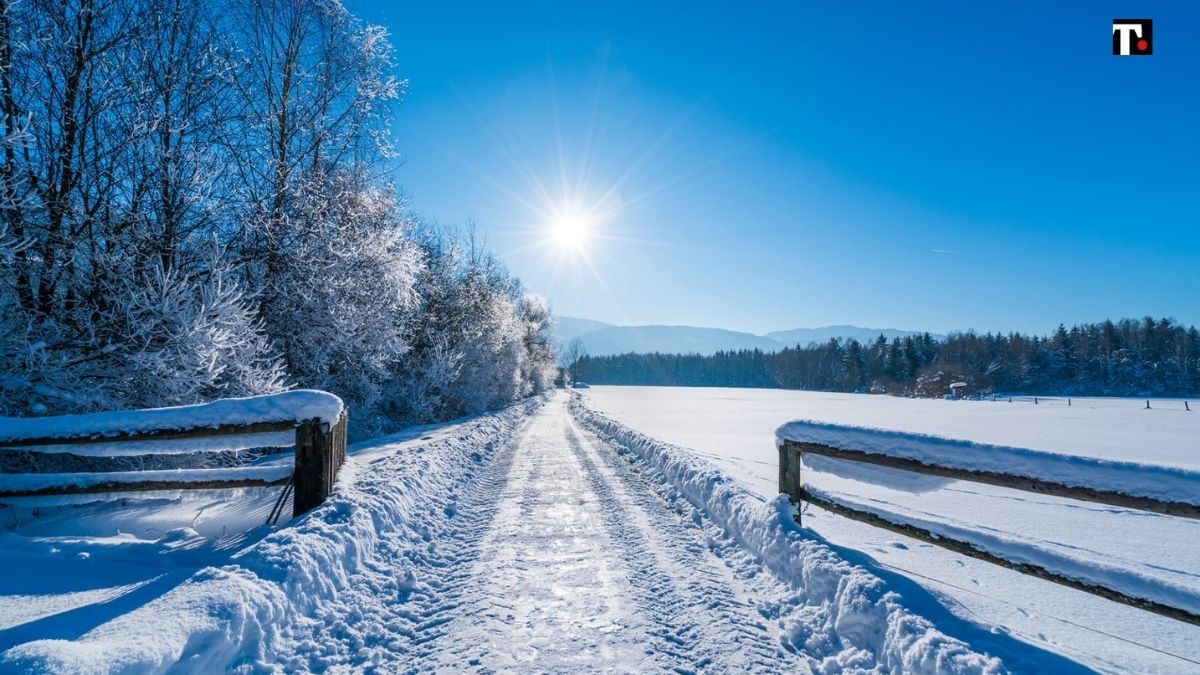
(791, 460)
(320, 451)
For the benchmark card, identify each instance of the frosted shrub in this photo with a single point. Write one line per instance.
(340, 292)
(185, 340)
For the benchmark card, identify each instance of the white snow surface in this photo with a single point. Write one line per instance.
(1166, 483)
(524, 540)
(289, 406)
(1144, 554)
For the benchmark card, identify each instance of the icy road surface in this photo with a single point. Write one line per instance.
(583, 568)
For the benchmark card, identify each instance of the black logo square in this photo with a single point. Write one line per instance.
(1133, 37)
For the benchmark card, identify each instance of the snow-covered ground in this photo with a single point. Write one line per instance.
(1147, 554)
(537, 538)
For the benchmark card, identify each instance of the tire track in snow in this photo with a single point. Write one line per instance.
(684, 578)
(548, 592)
(554, 553)
(471, 515)
(410, 589)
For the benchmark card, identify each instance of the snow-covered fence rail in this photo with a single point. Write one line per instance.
(314, 422)
(1017, 482)
(1165, 490)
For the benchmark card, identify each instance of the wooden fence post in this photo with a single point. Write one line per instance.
(309, 488)
(789, 474)
(320, 451)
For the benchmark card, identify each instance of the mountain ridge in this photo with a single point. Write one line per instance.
(602, 339)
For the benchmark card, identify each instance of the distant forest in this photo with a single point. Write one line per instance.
(1123, 358)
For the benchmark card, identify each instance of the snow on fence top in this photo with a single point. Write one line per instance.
(290, 406)
(1153, 481)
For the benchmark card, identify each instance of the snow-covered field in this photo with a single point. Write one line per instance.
(1145, 554)
(543, 537)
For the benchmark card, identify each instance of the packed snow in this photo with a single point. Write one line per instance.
(1147, 554)
(541, 537)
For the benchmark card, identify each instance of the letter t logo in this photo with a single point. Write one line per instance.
(1124, 33)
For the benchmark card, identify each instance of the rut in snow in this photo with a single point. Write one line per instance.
(586, 566)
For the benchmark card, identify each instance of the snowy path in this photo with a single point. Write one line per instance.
(585, 567)
(565, 560)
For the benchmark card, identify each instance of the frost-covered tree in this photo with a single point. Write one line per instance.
(481, 341)
(538, 325)
(194, 203)
(163, 338)
(339, 294)
(569, 357)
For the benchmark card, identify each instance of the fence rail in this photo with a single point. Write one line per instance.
(154, 435)
(1025, 483)
(320, 452)
(791, 459)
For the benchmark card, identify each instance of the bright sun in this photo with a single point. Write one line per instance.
(570, 232)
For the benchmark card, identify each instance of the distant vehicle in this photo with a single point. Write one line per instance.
(581, 385)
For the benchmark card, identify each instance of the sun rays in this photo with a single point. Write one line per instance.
(583, 176)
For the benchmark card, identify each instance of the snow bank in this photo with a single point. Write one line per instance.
(231, 618)
(1132, 478)
(288, 406)
(845, 617)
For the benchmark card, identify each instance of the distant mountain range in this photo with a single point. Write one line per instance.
(804, 336)
(568, 328)
(602, 339)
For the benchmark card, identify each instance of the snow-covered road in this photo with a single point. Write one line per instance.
(585, 567)
(564, 560)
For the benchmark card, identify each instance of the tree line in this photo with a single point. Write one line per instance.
(195, 203)
(1144, 357)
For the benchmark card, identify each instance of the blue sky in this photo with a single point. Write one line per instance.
(915, 165)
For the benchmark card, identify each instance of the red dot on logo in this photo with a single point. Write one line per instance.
(1143, 45)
